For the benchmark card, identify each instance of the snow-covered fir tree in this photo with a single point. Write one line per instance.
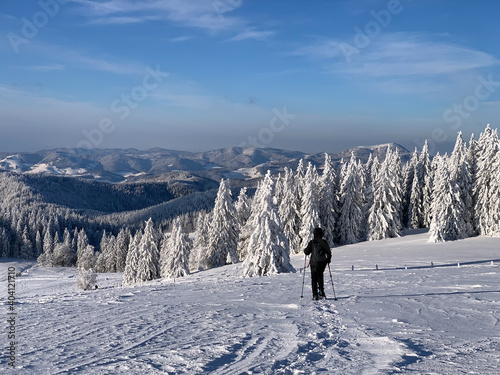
(81, 244)
(87, 258)
(397, 173)
(224, 228)
(242, 206)
(460, 173)
(103, 255)
(385, 212)
(288, 211)
(447, 208)
(268, 251)
(351, 218)
(63, 256)
(100, 263)
(110, 253)
(309, 210)
(495, 195)
(122, 244)
(421, 192)
(198, 254)
(47, 257)
(409, 180)
(472, 156)
(328, 200)
(148, 265)
(38, 244)
(278, 189)
(488, 145)
(174, 257)
(133, 254)
(425, 175)
(300, 173)
(369, 173)
(67, 238)
(27, 247)
(48, 249)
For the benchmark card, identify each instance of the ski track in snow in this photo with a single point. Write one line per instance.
(422, 320)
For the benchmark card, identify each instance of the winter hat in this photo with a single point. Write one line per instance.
(318, 232)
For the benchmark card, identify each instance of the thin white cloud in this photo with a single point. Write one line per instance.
(125, 20)
(79, 59)
(327, 49)
(49, 67)
(202, 14)
(180, 39)
(252, 34)
(401, 54)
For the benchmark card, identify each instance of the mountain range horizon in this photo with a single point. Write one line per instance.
(131, 164)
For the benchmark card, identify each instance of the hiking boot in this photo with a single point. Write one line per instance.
(321, 294)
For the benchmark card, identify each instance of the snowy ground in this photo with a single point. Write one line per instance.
(405, 317)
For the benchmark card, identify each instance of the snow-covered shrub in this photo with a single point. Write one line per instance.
(87, 279)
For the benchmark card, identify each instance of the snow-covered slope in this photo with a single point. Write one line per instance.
(405, 317)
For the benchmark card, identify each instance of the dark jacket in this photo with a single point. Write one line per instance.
(316, 258)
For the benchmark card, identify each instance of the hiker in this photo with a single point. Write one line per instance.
(321, 255)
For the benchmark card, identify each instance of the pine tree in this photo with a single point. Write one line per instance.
(351, 203)
(175, 253)
(224, 230)
(309, 210)
(268, 251)
(148, 265)
(328, 206)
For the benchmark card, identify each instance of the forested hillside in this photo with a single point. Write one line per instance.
(261, 221)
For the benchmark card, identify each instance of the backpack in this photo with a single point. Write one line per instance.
(318, 252)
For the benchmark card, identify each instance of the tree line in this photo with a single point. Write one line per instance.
(456, 196)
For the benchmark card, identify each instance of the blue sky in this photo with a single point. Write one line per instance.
(314, 76)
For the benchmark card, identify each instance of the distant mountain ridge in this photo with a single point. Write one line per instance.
(132, 165)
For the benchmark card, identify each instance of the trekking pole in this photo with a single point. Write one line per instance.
(303, 276)
(331, 279)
